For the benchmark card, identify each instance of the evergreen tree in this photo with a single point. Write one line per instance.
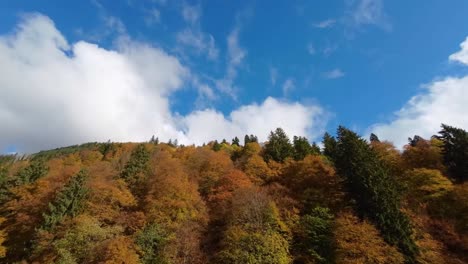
(235, 141)
(302, 148)
(413, 142)
(216, 146)
(278, 147)
(373, 137)
(374, 191)
(329, 144)
(136, 166)
(154, 140)
(151, 242)
(250, 139)
(455, 151)
(315, 149)
(31, 173)
(68, 202)
(106, 148)
(314, 236)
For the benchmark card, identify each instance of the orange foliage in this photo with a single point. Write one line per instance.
(171, 197)
(426, 154)
(119, 250)
(108, 194)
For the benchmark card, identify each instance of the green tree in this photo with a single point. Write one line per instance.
(69, 201)
(314, 236)
(241, 247)
(250, 139)
(329, 144)
(278, 147)
(235, 141)
(154, 140)
(302, 148)
(455, 151)
(31, 173)
(315, 149)
(135, 169)
(374, 138)
(216, 146)
(151, 242)
(374, 191)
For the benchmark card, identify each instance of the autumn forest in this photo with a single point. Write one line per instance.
(347, 199)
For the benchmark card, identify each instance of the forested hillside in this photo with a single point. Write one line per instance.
(282, 201)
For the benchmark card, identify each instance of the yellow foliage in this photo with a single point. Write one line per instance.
(2, 239)
(426, 183)
(360, 242)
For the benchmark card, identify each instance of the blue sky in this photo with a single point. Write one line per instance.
(352, 62)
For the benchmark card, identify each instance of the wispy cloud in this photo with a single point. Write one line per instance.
(273, 75)
(311, 49)
(288, 86)
(367, 12)
(235, 56)
(329, 49)
(152, 17)
(200, 41)
(193, 36)
(325, 23)
(191, 13)
(334, 74)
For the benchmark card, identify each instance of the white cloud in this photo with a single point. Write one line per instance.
(444, 101)
(367, 12)
(294, 118)
(462, 55)
(54, 93)
(311, 49)
(288, 86)
(325, 23)
(49, 98)
(334, 74)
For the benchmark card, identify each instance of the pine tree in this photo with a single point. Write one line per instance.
(68, 202)
(374, 191)
(250, 139)
(373, 137)
(278, 147)
(136, 165)
(329, 144)
(455, 151)
(235, 141)
(314, 236)
(216, 146)
(31, 173)
(302, 148)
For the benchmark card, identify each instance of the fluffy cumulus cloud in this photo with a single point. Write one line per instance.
(442, 101)
(54, 93)
(257, 119)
